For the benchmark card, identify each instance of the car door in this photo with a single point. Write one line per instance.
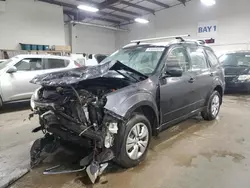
(176, 93)
(203, 77)
(16, 85)
(55, 64)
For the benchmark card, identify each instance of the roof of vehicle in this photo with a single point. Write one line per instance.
(43, 56)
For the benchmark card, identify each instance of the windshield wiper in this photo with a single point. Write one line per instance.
(129, 75)
(120, 66)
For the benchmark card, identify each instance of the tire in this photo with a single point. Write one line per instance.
(35, 152)
(209, 112)
(125, 155)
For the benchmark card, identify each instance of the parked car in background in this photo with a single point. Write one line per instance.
(2, 60)
(115, 108)
(94, 59)
(16, 73)
(237, 71)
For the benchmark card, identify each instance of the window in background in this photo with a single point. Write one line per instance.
(29, 64)
(55, 63)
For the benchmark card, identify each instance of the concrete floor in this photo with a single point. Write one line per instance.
(192, 154)
(15, 141)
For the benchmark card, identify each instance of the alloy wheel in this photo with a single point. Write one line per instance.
(215, 105)
(137, 141)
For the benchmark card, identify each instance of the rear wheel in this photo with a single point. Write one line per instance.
(213, 107)
(135, 139)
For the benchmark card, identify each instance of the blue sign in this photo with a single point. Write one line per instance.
(207, 29)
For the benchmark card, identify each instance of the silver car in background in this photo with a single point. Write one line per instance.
(16, 73)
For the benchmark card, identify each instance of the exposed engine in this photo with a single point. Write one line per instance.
(76, 115)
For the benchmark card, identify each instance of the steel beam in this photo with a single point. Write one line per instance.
(159, 3)
(110, 7)
(183, 2)
(123, 11)
(107, 3)
(89, 15)
(80, 16)
(137, 6)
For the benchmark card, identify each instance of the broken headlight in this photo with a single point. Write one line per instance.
(34, 97)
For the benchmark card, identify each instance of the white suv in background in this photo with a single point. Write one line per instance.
(16, 73)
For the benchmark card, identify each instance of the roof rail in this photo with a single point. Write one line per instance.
(179, 37)
(198, 42)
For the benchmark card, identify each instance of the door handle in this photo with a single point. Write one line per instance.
(191, 80)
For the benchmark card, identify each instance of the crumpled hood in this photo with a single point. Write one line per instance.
(71, 76)
(76, 75)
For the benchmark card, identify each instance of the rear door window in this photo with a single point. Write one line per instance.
(52, 63)
(29, 64)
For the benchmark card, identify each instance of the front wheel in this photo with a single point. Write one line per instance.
(213, 107)
(135, 139)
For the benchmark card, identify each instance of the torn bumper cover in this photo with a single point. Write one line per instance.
(50, 121)
(75, 116)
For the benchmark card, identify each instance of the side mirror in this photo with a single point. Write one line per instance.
(173, 72)
(12, 70)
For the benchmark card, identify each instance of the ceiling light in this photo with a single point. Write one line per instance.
(141, 20)
(88, 8)
(208, 2)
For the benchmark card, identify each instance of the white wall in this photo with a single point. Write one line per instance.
(67, 35)
(29, 21)
(89, 39)
(232, 16)
(33, 22)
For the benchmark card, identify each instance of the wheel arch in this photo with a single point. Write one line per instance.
(149, 111)
(220, 91)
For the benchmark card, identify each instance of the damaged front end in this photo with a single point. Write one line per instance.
(76, 115)
(79, 106)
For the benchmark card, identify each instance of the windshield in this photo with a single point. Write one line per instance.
(235, 59)
(142, 59)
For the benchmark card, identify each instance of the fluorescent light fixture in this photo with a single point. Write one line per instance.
(208, 2)
(141, 20)
(88, 8)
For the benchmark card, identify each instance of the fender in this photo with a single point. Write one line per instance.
(125, 107)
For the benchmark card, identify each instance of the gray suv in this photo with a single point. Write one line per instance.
(115, 108)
